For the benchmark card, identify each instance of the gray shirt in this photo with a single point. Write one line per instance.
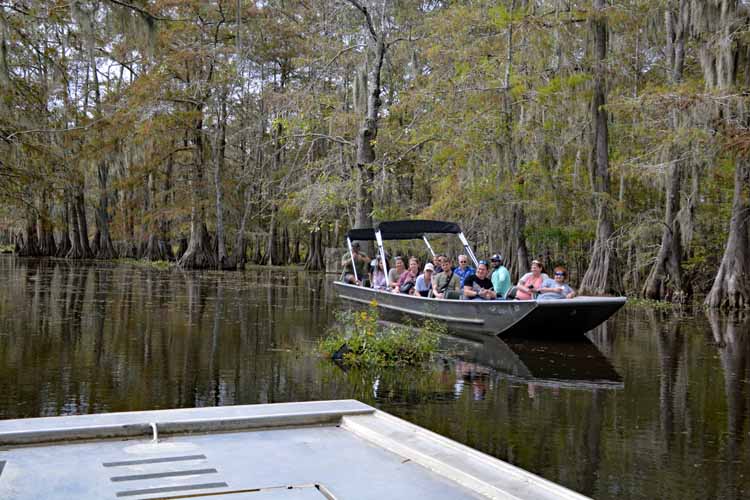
(550, 283)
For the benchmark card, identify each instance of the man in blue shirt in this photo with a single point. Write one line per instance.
(464, 270)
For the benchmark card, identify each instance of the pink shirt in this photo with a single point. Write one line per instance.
(406, 276)
(537, 282)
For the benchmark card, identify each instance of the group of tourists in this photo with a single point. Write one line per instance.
(442, 280)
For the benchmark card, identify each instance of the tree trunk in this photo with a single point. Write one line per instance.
(665, 278)
(315, 261)
(76, 251)
(105, 250)
(65, 246)
(199, 254)
(271, 257)
(30, 245)
(295, 258)
(47, 246)
(284, 254)
(368, 131)
(95, 240)
(219, 150)
(731, 288)
(520, 249)
(258, 256)
(598, 277)
(240, 246)
(83, 226)
(181, 248)
(157, 249)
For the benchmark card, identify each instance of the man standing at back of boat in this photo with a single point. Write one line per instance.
(361, 260)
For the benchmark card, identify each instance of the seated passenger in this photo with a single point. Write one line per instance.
(378, 279)
(424, 280)
(408, 279)
(531, 282)
(464, 269)
(360, 260)
(446, 285)
(437, 267)
(396, 271)
(479, 286)
(500, 276)
(556, 288)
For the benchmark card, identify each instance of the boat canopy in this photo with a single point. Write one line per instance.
(404, 230)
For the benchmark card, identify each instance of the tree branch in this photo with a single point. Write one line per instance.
(331, 138)
(144, 12)
(412, 148)
(368, 18)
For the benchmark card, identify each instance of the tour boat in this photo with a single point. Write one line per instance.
(543, 318)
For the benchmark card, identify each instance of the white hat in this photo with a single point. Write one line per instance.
(429, 267)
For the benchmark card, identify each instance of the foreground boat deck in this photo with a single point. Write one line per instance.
(327, 449)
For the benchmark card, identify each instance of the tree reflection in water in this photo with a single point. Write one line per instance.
(732, 337)
(635, 411)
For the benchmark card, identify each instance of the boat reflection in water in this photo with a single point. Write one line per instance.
(472, 368)
(556, 364)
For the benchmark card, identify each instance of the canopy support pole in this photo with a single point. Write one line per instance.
(426, 242)
(468, 249)
(351, 254)
(381, 250)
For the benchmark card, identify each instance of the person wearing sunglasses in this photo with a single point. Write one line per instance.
(556, 288)
(464, 270)
(479, 286)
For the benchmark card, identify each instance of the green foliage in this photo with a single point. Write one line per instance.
(658, 305)
(374, 345)
(160, 265)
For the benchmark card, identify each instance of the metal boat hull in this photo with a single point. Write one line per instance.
(527, 318)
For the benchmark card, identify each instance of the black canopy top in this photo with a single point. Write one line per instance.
(362, 234)
(404, 230)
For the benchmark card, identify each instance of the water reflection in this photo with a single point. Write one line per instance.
(575, 364)
(732, 339)
(77, 338)
(652, 405)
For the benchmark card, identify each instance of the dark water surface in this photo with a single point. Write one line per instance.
(654, 405)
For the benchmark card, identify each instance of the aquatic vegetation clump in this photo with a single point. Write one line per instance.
(161, 265)
(358, 338)
(658, 305)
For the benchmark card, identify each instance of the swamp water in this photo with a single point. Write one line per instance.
(652, 405)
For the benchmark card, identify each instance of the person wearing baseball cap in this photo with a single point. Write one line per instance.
(500, 276)
(424, 280)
